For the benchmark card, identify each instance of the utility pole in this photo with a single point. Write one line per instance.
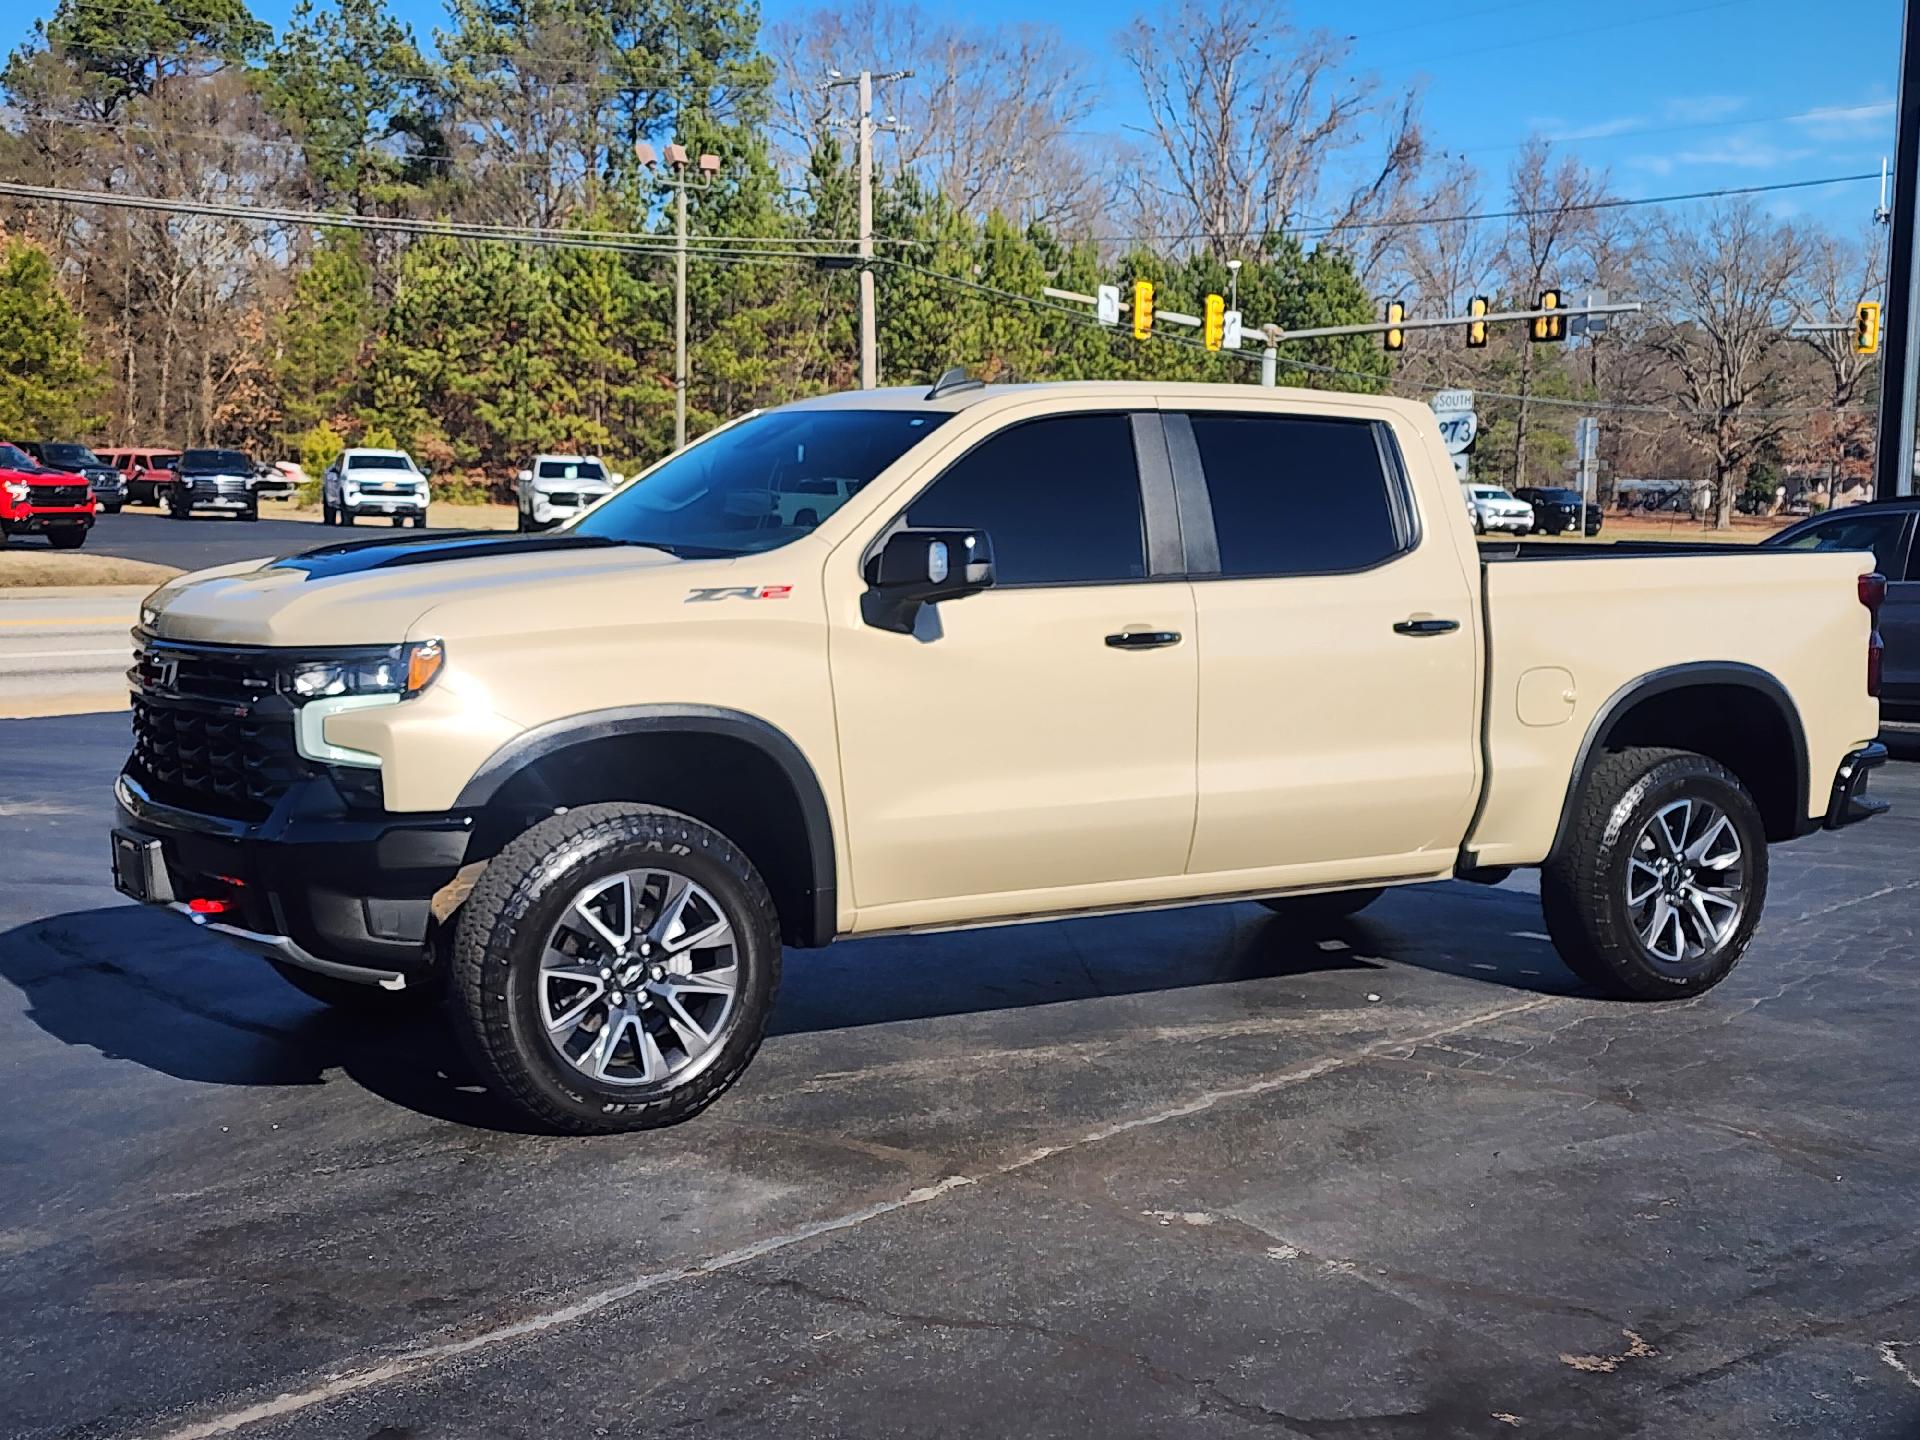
(1899, 370)
(864, 131)
(680, 179)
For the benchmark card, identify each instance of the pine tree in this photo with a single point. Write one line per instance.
(47, 383)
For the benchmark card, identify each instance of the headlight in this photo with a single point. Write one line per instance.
(20, 494)
(402, 670)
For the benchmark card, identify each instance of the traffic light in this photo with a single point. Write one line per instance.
(1215, 328)
(1396, 338)
(1866, 327)
(1477, 331)
(1548, 327)
(1142, 309)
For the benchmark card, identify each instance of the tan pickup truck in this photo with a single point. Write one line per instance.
(1034, 651)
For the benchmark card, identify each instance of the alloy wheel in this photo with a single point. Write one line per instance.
(639, 978)
(1686, 882)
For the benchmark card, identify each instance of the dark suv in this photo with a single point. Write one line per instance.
(213, 481)
(1555, 509)
(108, 485)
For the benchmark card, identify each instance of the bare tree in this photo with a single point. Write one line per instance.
(1837, 275)
(1721, 290)
(1550, 243)
(991, 117)
(1252, 127)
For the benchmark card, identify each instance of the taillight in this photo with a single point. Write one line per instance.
(1873, 590)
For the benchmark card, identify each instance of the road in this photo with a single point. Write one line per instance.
(197, 543)
(65, 651)
(1189, 1174)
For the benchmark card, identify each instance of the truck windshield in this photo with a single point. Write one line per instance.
(739, 492)
(70, 455)
(214, 462)
(571, 470)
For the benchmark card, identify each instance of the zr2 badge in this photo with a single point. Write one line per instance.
(740, 592)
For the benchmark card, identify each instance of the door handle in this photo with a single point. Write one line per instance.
(1144, 639)
(1425, 625)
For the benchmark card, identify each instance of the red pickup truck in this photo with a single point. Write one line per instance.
(37, 501)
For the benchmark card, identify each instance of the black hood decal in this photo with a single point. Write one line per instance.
(355, 556)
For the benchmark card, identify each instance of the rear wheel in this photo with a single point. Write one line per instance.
(614, 968)
(1658, 888)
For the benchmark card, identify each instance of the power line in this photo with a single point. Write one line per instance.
(1609, 203)
(630, 242)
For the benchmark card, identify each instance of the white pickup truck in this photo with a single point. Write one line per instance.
(1041, 650)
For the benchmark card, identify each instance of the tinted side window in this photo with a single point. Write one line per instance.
(1879, 533)
(1060, 499)
(1296, 496)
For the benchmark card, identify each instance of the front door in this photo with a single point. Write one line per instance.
(1029, 747)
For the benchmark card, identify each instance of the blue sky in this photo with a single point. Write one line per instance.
(1668, 95)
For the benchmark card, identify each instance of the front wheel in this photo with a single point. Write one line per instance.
(66, 539)
(420, 521)
(614, 969)
(1658, 888)
(176, 510)
(111, 509)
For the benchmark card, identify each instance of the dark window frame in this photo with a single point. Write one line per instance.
(1196, 503)
(1161, 541)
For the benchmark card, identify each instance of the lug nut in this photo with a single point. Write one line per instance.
(615, 997)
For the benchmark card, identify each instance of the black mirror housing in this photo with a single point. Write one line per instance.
(922, 567)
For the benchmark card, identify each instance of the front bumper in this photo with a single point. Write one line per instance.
(1851, 803)
(345, 892)
(376, 504)
(1518, 524)
(39, 522)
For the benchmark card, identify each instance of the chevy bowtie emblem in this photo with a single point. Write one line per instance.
(166, 672)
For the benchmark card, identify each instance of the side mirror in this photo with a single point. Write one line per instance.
(924, 567)
(524, 475)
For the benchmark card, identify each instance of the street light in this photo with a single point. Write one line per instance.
(708, 166)
(1233, 284)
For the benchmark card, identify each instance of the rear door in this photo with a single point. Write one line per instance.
(1339, 654)
(1031, 747)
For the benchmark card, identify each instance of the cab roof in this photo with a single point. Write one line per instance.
(1088, 392)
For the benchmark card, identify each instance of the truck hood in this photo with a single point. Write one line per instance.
(361, 475)
(372, 592)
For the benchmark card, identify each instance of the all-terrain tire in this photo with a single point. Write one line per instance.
(67, 539)
(502, 931)
(1584, 887)
(366, 1001)
(1325, 906)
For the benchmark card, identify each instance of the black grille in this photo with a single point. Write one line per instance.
(208, 733)
(60, 494)
(223, 488)
(562, 497)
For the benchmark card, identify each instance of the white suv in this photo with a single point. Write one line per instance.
(1494, 509)
(558, 487)
(373, 482)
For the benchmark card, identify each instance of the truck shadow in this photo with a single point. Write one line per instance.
(140, 986)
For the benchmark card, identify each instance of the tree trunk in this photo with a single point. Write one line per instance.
(1722, 494)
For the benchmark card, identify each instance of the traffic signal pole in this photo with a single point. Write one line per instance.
(1899, 362)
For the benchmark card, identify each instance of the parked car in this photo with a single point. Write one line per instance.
(38, 500)
(1494, 509)
(279, 478)
(587, 785)
(554, 488)
(148, 471)
(1890, 530)
(1555, 509)
(108, 485)
(212, 482)
(374, 482)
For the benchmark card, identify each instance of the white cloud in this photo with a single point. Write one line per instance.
(1739, 152)
(1848, 122)
(1702, 109)
(1559, 132)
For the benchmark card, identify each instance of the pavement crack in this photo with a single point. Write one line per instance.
(419, 1358)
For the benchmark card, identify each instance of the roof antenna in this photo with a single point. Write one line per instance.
(952, 381)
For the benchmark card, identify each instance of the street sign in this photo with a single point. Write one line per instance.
(1459, 428)
(1460, 468)
(1107, 305)
(1446, 400)
(1231, 340)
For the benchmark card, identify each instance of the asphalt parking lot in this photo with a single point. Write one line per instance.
(1195, 1173)
(202, 541)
